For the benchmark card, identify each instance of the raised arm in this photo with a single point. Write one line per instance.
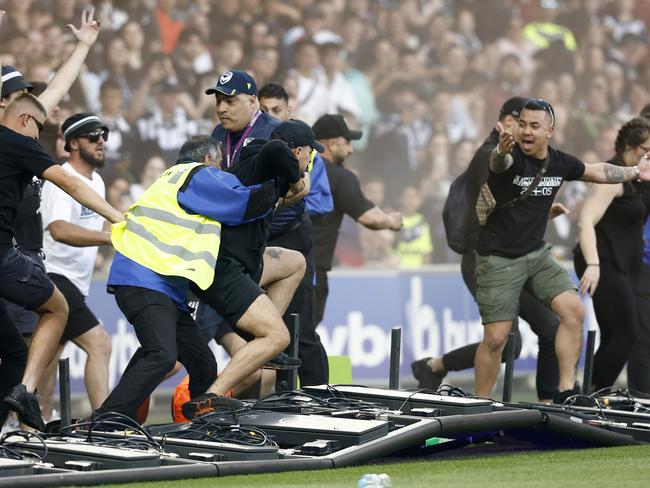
(86, 36)
(610, 173)
(593, 209)
(501, 159)
(81, 192)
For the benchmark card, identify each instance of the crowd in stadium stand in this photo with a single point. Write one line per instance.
(423, 79)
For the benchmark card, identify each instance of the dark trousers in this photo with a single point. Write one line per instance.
(321, 290)
(315, 368)
(166, 334)
(638, 366)
(542, 321)
(13, 358)
(616, 314)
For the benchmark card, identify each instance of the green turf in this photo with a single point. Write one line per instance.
(619, 467)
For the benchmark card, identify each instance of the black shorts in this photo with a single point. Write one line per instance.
(232, 292)
(23, 280)
(80, 317)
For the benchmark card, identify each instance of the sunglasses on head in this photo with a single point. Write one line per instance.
(541, 104)
(94, 136)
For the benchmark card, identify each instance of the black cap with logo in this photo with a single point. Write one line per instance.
(513, 106)
(296, 133)
(233, 83)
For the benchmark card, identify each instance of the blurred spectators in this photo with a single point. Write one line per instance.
(422, 79)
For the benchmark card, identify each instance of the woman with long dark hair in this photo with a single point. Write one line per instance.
(609, 253)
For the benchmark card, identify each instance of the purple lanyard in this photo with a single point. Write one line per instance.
(231, 158)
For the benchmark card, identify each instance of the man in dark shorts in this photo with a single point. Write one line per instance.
(236, 295)
(170, 239)
(71, 236)
(241, 121)
(21, 280)
(512, 253)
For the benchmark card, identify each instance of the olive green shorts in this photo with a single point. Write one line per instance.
(499, 281)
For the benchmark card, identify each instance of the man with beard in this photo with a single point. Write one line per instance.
(72, 233)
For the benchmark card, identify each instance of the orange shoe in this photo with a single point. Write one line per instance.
(181, 396)
(210, 403)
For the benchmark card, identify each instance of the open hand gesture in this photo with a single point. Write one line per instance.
(506, 141)
(88, 29)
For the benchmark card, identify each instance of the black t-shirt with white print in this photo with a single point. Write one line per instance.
(518, 230)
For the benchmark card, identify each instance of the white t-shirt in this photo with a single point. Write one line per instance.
(75, 263)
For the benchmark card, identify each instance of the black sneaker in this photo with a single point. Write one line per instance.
(26, 406)
(426, 377)
(580, 400)
(209, 403)
(283, 362)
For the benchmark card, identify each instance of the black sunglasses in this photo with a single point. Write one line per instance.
(39, 125)
(541, 104)
(94, 136)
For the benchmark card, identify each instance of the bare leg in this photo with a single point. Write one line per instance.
(232, 343)
(283, 272)
(568, 340)
(263, 321)
(46, 386)
(487, 361)
(53, 315)
(97, 345)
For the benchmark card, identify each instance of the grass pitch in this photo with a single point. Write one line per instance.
(627, 467)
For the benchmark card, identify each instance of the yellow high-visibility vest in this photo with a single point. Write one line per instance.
(161, 236)
(414, 241)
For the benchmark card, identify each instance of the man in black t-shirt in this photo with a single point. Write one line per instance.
(21, 280)
(334, 134)
(512, 253)
(430, 371)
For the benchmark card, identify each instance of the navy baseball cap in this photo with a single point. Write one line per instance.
(330, 126)
(12, 81)
(296, 133)
(233, 83)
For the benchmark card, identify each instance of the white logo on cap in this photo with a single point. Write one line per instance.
(225, 77)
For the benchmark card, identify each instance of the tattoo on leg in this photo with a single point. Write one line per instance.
(274, 253)
(616, 174)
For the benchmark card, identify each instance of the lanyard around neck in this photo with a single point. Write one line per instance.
(230, 158)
